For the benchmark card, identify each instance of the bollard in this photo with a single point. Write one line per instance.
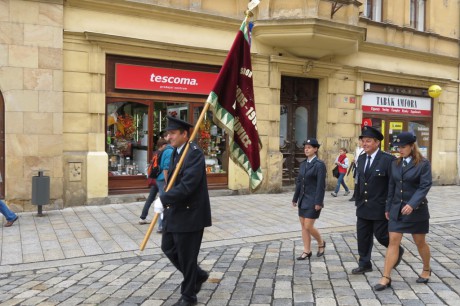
(40, 191)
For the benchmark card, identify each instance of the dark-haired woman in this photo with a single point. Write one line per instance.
(309, 197)
(406, 208)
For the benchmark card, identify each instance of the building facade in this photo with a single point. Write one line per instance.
(86, 85)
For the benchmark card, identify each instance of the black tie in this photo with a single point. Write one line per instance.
(368, 165)
(176, 158)
(404, 162)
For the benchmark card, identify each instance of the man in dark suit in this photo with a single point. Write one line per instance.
(374, 169)
(187, 211)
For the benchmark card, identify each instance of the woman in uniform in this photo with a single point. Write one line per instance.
(309, 197)
(406, 208)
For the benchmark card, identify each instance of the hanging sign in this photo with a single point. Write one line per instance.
(163, 79)
(373, 102)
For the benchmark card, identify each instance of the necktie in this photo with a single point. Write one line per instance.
(176, 158)
(404, 162)
(368, 165)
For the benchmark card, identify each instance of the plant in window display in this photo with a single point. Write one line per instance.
(205, 136)
(125, 131)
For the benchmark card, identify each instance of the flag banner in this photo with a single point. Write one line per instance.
(233, 106)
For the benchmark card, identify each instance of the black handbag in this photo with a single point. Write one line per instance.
(335, 172)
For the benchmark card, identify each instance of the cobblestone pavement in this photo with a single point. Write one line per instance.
(89, 256)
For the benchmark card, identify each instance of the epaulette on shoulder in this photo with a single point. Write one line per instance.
(193, 146)
(388, 154)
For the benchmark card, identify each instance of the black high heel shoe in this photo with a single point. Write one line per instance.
(422, 280)
(319, 254)
(304, 256)
(380, 287)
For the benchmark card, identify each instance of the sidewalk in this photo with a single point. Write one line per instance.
(252, 243)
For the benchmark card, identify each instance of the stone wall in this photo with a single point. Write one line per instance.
(31, 84)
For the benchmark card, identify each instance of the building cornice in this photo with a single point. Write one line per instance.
(121, 45)
(408, 53)
(152, 11)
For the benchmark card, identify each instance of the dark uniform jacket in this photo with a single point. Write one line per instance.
(310, 184)
(409, 185)
(187, 205)
(372, 189)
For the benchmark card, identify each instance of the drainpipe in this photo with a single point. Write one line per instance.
(458, 110)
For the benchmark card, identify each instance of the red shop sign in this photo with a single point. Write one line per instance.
(163, 79)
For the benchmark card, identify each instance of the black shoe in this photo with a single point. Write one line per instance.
(319, 254)
(304, 256)
(200, 281)
(422, 280)
(352, 199)
(361, 270)
(183, 302)
(401, 253)
(380, 287)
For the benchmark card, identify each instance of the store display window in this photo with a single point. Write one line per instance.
(127, 138)
(212, 140)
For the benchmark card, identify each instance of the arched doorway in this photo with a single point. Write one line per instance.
(2, 146)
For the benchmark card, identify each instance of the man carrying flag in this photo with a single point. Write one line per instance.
(186, 200)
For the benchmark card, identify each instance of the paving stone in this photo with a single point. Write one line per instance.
(246, 272)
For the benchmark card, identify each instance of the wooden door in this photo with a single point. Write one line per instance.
(298, 121)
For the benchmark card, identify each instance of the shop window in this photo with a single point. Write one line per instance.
(422, 132)
(394, 129)
(417, 14)
(373, 10)
(127, 138)
(212, 140)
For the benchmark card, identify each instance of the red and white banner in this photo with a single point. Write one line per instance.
(396, 104)
(163, 79)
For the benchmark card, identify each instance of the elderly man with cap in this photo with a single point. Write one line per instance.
(406, 208)
(374, 169)
(309, 197)
(186, 212)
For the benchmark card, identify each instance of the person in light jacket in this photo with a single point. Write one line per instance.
(309, 197)
(407, 206)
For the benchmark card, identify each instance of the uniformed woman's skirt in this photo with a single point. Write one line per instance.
(310, 213)
(398, 226)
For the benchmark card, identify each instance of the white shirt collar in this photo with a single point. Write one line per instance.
(179, 149)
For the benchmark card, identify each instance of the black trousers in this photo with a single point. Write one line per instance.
(366, 230)
(182, 250)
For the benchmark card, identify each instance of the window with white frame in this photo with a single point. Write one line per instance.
(417, 14)
(373, 10)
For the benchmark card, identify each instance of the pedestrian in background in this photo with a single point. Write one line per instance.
(374, 169)
(187, 211)
(359, 150)
(406, 207)
(309, 197)
(342, 162)
(10, 216)
(162, 179)
(161, 145)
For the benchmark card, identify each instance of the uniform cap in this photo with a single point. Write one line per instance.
(404, 138)
(176, 124)
(312, 142)
(369, 131)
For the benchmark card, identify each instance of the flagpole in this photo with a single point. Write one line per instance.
(173, 178)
